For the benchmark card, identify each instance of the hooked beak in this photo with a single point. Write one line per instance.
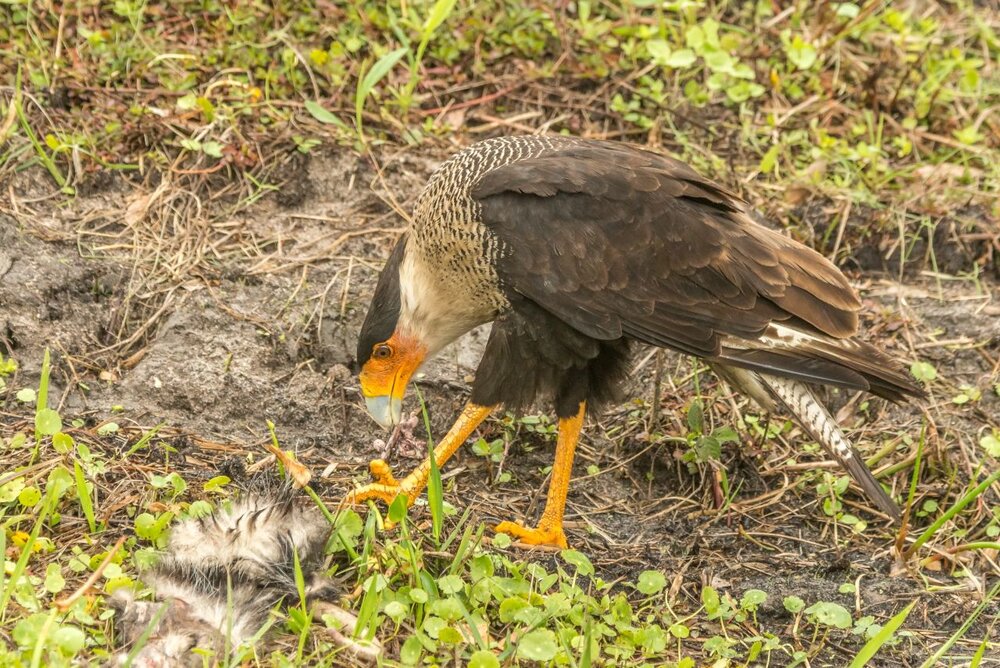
(384, 381)
(387, 410)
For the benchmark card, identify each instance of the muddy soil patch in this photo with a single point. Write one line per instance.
(261, 326)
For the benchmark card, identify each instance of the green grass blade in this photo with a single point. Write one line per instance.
(40, 151)
(935, 658)
(368, 618)
(969, 497)
(454, 535)
(143, 638)
(144, 440)
(86, 503)
(3, 550)
(462, 551)
(43, 635)
(438, 14)
(435, 491)
(377, 72)
(875, 643)
(43, 383)
(904, 525)
(53, 492)
(977, 658)
(41, 404)
(300, 579)
(585, 656)
(323, 115)
(915, 477)
(977, 545)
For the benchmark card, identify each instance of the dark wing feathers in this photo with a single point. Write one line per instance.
(647, 239)
(614, 240)
(844, 363)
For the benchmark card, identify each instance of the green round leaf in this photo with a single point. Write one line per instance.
(199, 508)
(448, 608)
(578, 560)
(752, 598)
(54, 580)
(450, 584)
(510, 607)
(793, 604)
(69, 639)
(501, 541)
(651, 582)
(29, 496)
(991, 444)
(680, 58)
(215, 484)
(409, 653)
(11, 490)
(346, 528)
(397, 509)
(27, 631)
(830, 614)
(59, 480)
(923, 371)
(679, 631)
(481, 567)
(62, 442)
(145, 526)
(433, 625)
(48, 422)
(27, 395)
(395, 610)
(111, 428)
(801, 54)
(538, 645)
(483, 659)
(710, 599)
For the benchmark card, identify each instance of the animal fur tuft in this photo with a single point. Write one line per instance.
(220, 576)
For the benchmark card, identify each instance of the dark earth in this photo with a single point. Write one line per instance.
(213, 316)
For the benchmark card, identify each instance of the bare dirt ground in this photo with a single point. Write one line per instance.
(156, 312)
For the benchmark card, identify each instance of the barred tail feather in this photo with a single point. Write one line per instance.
(811, 415)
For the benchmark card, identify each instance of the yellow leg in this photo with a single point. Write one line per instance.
(549, 530)
(387, 488)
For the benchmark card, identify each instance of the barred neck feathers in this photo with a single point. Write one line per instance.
(447, 229)
(448, 279)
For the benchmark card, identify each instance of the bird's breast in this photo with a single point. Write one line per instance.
(444, 293)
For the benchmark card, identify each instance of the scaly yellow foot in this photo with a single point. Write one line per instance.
(543, 534)
(385, 488)
(549, 530)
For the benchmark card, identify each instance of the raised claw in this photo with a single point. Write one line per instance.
(385, 488)
(382, 473)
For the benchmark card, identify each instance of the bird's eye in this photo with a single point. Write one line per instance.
(382, 352)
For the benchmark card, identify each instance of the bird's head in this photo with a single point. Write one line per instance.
(388, 353)
(385, 373)
(412, 317)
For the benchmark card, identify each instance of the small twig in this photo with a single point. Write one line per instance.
(65, 603)
(483, 99)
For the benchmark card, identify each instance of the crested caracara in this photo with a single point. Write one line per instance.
(575, 249)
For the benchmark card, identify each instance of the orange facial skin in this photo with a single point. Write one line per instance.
(386, 374)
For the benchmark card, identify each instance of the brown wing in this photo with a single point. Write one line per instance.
(617, 240)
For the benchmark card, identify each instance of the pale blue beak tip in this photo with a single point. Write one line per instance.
(386, 410)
